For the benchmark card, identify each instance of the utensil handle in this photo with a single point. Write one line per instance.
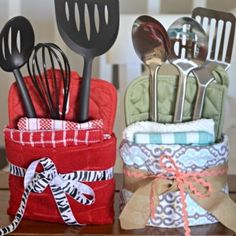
(84, 92)
(28, 105)
(153, 96)
(179, 105)
(198, 107)
(115, 76)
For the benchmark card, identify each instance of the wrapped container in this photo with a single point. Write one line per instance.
(76, 166)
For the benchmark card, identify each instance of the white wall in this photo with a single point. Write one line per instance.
(5, 78)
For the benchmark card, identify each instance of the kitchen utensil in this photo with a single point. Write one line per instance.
(17, 42)
(204, 78)
(189, 51)
(89, 40)
(49, 56)
(152, 45)
(115, 76)
(220, 27)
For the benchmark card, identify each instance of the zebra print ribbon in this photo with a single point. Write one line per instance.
(60, 184)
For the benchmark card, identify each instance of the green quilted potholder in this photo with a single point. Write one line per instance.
(137, 99)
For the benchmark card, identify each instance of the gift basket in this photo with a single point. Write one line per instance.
(63, 158)
(174, 153)
(59, 140)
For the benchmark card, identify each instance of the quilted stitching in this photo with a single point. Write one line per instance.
(137, 100)
(103, 100)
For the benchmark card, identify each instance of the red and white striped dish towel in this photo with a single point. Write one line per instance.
(42, 132)
(32, 124)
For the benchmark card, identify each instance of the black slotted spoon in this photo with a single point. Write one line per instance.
(16, 45)
(87, 40)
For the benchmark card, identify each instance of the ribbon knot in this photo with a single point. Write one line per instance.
(60, 185)
(40, 181)
(202, 186)
(185, 180)
(49, 177)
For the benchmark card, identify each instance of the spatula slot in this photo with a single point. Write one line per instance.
(10, 40)
(96, 17)
(214, 42)
(18, 41)
(227, 42)
(205, 24)
(77, 17)
(224, 41)
(67, 11)
(106, 14)
(184, 35)
(87, 21)
(183, 53)
(211, 36)
(177, 48)
(3, 50)
(219, 40)
(198, 19)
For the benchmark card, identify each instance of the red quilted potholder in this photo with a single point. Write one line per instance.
(93, 157)
(102, 104)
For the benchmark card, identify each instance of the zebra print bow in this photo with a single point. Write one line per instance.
(60, 184)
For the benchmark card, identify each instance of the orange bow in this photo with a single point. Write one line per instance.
(148, 187)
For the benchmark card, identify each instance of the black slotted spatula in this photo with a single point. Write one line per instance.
(89, 39)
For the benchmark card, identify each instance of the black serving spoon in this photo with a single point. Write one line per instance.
(90, 40)
(16, 45)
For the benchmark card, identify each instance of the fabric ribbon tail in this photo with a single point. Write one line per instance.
(224, 209)
(20, 213)
(137, 211)
(219, 203)
(229, 207)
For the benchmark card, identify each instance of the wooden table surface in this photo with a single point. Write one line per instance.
(28, 227)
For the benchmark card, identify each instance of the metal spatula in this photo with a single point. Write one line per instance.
(220, 27)
(89, 40)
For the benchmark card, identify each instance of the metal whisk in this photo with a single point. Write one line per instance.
(47, 56)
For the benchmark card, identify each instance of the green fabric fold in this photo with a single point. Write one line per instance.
(137, 99)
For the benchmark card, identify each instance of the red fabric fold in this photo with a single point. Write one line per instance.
(102, 103)
(55, 138)
(99, 155)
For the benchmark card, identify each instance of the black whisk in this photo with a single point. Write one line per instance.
(44, 57)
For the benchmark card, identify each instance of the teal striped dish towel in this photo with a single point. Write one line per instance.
(192, 137)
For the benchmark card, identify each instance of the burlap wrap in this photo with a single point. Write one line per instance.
(204, 187)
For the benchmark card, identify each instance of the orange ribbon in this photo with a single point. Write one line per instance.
(200, 185)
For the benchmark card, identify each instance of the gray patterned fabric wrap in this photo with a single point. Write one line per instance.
(190, 158)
